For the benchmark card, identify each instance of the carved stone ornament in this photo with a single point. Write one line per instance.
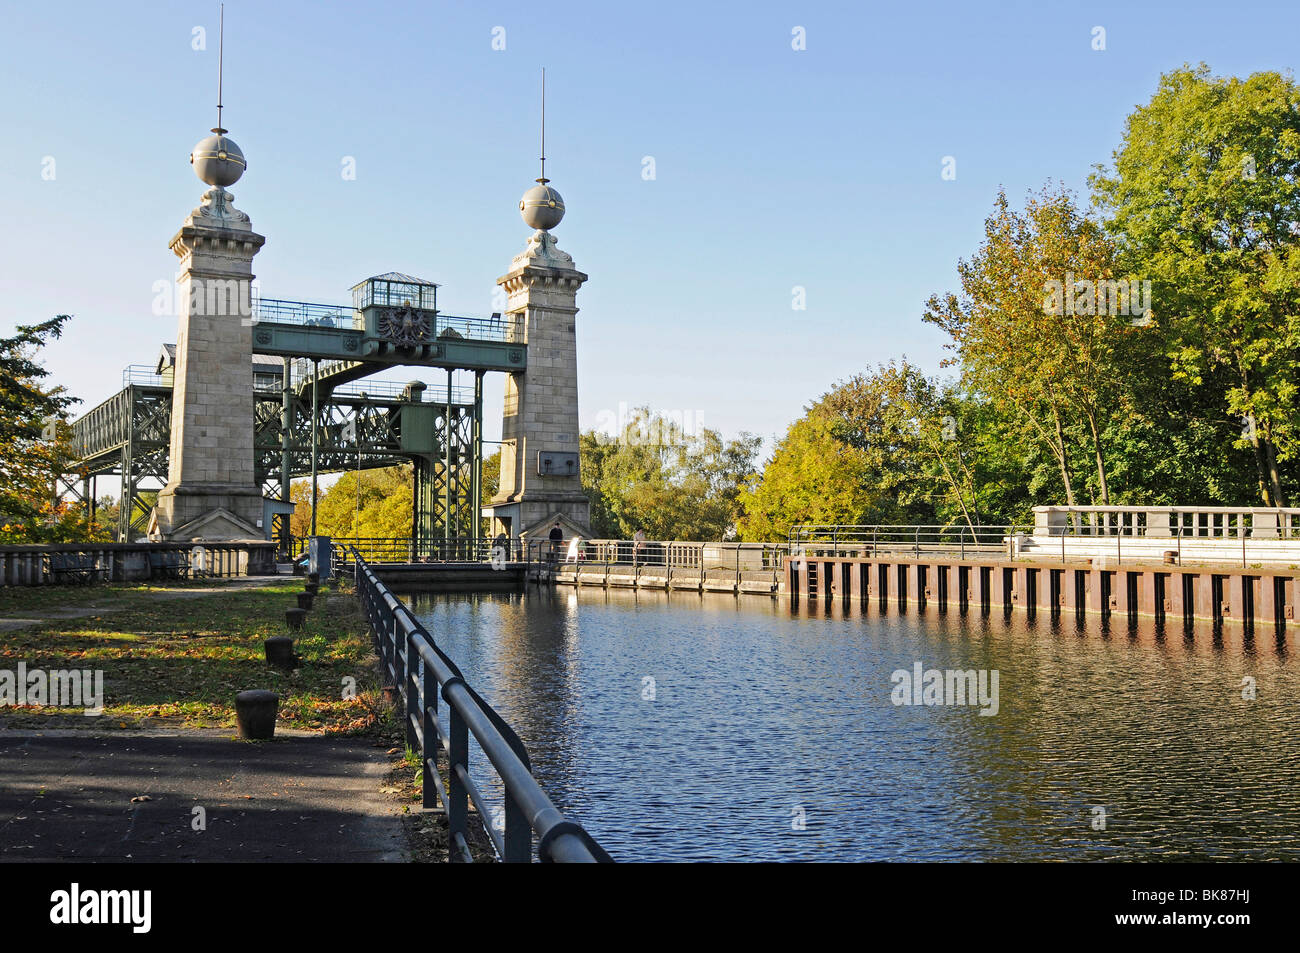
(542, 250)
(216, 208)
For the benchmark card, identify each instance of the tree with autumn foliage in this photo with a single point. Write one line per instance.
(1041, 325)
(35, 444)
(892, 446)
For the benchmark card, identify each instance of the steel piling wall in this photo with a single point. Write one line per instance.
(1169, 593)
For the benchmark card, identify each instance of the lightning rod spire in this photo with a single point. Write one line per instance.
(543, 179)
(221, 58)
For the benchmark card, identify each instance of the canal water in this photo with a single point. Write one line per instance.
(685, 727)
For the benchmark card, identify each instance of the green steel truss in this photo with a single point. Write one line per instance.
(128, 436)
(325, 349)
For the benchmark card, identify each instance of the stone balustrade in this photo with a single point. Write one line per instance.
(69, 563)
(1197, 522)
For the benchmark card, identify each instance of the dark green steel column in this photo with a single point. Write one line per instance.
(286, 444)
(415, 507)
(128, 474)
(447, 518)
(315, 416)
(476, 475)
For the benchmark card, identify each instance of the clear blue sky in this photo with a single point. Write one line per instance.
(775, 168)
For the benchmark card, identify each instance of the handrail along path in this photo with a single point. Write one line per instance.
(421, 671)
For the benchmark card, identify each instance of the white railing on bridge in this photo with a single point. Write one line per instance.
(1194, 522)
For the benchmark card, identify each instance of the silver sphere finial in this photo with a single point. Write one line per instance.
(541, 207)
(217, 160)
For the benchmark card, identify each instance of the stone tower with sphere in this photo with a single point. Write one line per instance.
(212, 492)
(540, 479)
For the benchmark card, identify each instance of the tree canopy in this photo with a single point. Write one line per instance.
(1204, 198)
(35, 447)
(1142, 351)
(655, 477)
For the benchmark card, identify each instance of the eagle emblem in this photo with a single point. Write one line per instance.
(403, 326)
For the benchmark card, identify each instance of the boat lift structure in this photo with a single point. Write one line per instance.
(315, 413)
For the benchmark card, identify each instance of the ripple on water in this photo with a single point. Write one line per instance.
(771, 734)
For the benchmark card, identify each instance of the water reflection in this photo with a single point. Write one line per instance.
(771, 733)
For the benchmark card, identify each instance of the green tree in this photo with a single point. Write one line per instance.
(890, 446)
(670, 484)
(839, 463)
(35, 443)
(1204, 197)
(300, 520)
(368, 503)
(1040, 326)
(491, 480)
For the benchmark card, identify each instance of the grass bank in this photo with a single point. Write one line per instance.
(175, 657)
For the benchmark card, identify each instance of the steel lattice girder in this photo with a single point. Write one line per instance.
(352, 432)
(387, 431)
(103, 433)
(128, 435)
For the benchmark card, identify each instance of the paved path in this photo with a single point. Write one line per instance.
(77, 612)
(68, 795)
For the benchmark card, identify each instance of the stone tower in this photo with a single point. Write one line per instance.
(211, 490)
(540, 478)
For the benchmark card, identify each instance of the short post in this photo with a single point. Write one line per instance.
(255, 711)
(294, 618)
(279, 652)
(305, 600)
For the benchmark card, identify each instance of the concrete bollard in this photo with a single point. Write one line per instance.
(255, 711)
(304, 600)
(279, 652)
(312, 588)
(313, 577)
(295, 618)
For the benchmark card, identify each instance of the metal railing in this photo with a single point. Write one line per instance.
(395, 391)
(382, 549)
(143, 374)
(305, 313)
(1271, 541)
(664, 564)
(958, 540)
(309, 314)
(661, 563)
(496, 328)
(421, 671)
